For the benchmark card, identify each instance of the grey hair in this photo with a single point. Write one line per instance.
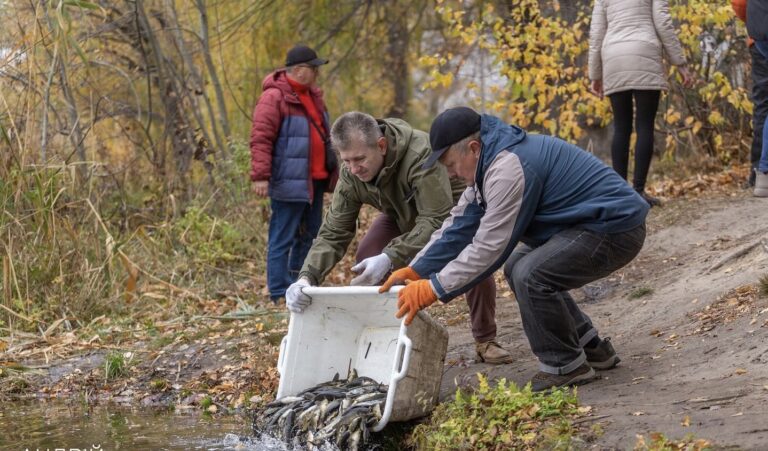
(463, 145)
(355, 127)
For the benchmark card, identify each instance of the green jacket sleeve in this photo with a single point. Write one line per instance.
(335, 234)
(433, 198)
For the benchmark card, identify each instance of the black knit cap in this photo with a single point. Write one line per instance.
(448, 128)
(301, 54)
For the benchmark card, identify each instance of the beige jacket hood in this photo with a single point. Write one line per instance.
(626, 42)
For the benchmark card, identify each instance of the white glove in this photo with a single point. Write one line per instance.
(372, 270)
(295, 299)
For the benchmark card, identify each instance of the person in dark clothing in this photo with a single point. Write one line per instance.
(758, 156)
(757, 27)
(292, 163)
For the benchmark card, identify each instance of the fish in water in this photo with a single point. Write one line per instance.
(340, 412)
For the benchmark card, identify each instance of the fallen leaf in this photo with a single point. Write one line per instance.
(686, 421)
(741, 371)
(133, 274)
(529, 437)
(637, 414)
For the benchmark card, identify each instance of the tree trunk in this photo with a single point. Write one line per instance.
(206, 50)
(397, 35)
(197, 91)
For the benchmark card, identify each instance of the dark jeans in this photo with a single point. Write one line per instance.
(762, 165)
(481, 299)
(647, 103)
(760, 101)
(292, 227)
(556, 328)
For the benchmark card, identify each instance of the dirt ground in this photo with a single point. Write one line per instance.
(685, 317)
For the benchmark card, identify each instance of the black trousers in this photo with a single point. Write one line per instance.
(646, 103)
(556, 328)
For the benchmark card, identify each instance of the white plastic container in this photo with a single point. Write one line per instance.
(355, 327)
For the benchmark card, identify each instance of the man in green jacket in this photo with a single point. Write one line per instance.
(383, 168)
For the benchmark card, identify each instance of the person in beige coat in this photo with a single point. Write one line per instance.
(627, 39)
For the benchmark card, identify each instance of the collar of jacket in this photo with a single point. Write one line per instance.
(495, 136)
(387, 170)
(279, 80)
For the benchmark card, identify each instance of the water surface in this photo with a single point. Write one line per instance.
(49, 425)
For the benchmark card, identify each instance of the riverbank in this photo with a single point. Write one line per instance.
(689, 318)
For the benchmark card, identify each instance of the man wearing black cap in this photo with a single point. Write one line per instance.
(577, 219)
(292, 163)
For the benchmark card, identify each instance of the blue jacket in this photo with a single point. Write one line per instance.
(528, 188)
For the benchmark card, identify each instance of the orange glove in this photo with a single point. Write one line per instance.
(414, 297)
(399, 277)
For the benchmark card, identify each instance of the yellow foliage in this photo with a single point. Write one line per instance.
(542, 56)
(673, 117)
(715, 118)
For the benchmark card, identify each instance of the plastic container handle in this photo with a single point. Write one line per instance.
(281, 357)
(404, 347)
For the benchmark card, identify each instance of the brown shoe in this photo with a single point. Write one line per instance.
(492, 352)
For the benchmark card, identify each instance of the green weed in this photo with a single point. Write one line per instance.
(640, 292)
(115, 366)
(763, 285)
(208, 239)
(158, 384)
(500, 417)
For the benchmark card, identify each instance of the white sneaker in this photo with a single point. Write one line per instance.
(761, 184)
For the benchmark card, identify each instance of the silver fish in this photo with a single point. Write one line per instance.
(339, 412)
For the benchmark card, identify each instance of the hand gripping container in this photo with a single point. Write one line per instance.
(355, 327)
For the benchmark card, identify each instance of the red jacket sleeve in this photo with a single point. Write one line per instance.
(264, 131)
(740, 8)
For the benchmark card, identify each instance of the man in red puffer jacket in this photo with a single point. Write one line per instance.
(292, 163)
